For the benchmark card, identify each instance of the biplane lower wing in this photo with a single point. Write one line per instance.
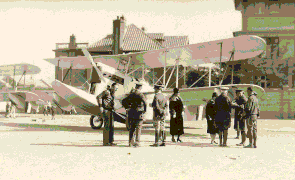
(244, 47)
(194, 97)
(77, 97)
(20, 98)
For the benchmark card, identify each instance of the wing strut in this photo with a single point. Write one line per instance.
(170, 75)
(70, 69)
(21, 78)
(231, 57)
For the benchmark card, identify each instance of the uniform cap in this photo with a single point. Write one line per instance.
(158, 86)
(250, 88)
(224, 88)
(239, 90)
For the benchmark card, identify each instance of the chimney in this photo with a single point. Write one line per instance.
(118, 34)
(72, 44)
(143, 29)
(122, 29)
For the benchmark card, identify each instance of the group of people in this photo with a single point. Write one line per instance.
(10, 110)
(218, 115)
(49, 109)
(135, 104)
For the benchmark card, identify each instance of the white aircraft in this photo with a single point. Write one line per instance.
(233, 49)
(17, 93)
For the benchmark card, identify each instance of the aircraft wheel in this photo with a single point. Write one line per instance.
(96, 122)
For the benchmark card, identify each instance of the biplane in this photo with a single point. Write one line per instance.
(232, 49)
(20, 95)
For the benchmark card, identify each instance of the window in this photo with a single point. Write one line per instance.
(72, 54)
(272, 49)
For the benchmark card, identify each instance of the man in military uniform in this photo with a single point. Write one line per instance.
(252, 113)
(107, 102)
(8, 107)
(135, 105)
(160, 106)
(241, 101)
(223, 107)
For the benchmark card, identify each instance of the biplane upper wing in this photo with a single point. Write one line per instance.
(18, 69)
(244, 47)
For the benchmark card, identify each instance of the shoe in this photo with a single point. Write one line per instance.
(220, 145)
(113, 144)
(241, 144)
(215, 142)
(173, 140)
(155, 145)
(163, 144)
(107, 144)
(136, 145)
(237, 137)
(255, 146)
(249, 146)
(224, 145)
(179, 140)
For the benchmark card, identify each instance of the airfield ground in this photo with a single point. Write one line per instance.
(35, 147)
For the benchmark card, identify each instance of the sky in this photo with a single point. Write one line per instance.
(30, 29)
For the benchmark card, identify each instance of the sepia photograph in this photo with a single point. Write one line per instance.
(147, 89)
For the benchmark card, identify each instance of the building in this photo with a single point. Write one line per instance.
(124, 39)
(274, 21)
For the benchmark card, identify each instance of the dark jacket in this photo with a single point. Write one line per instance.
(241, 101)
(175, 105)
(210, 111)
(136, 103)
(252, 106)
(223, 107)
(107, 100)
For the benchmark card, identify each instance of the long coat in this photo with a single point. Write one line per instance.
(176, 108)
(210, 116)
(223, 107)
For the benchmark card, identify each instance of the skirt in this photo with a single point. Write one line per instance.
(176, 125)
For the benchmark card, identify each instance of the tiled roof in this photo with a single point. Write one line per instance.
(156, 35)
(175, 41)
(136, 40)
(103, 45)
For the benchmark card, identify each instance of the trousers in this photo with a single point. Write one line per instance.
(108, 131)
(252, 128)
(135, 126)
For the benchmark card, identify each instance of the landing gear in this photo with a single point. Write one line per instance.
(96, 122)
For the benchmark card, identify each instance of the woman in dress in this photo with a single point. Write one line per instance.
(176, 109)
(210, 116)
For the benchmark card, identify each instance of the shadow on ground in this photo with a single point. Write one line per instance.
(118, 130)
(123, 143)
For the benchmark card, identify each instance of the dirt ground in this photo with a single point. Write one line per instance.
(36, 147)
